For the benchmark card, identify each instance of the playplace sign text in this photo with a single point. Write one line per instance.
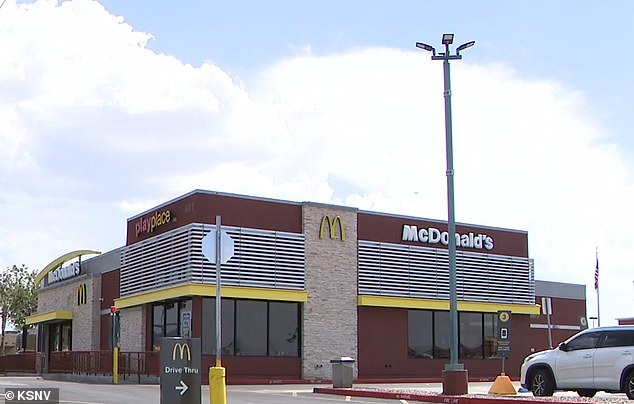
(150, 223)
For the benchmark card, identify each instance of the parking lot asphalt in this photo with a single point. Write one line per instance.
(91, 393)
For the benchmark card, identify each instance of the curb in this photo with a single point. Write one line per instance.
(433, 398)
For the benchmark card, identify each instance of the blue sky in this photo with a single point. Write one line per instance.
(110, 108)
(583, 44)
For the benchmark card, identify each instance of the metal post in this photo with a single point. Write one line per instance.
(549, 309)
(454, 375)
(451, 223)
(218, 296)
(596, 286)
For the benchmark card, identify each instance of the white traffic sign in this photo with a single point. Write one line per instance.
(226, 246)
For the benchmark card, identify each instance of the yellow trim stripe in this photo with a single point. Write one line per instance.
(49, 316)
(430, 304)
(210, 290)
(56, 263)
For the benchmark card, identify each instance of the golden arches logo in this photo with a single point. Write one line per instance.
(182, 349)
(332, 225)
(81, 294)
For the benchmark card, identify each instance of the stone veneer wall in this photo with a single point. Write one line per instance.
(132, 321)
(85, 317)
(330, 314)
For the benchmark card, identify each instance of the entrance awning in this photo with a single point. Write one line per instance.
(55, 315)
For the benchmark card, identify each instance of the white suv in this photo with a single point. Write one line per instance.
(594, 359)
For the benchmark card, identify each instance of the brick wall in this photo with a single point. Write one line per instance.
(330, 314)
(132, 321)
(85, 316)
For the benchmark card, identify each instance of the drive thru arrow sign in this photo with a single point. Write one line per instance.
(183, 387)
(181, 370)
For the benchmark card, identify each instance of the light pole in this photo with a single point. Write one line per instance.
(454, 376)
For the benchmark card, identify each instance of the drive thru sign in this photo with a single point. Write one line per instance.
(180, 370)
(504, 334)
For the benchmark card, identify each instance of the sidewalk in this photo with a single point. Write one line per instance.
(478, 394)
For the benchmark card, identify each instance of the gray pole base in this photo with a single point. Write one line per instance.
(454, 382)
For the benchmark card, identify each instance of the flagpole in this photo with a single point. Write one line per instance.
(596, 287)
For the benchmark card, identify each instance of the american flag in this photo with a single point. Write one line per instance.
(596, 275)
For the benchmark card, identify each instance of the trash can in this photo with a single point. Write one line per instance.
(342, 371)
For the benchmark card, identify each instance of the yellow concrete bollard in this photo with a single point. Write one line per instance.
(217, 388)
(115, 365)
(503, 386)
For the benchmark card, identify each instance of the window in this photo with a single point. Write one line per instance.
(209, 326)
(171, 319)
(428, 334)
(54, 338)
(490, 335)
(584, 341)
(166, 320)
(420, 337)
(617, 338)
(158, 322)
(60, 336)
(470, 326)
(283, 329)
(67, 336)
(252, 328)
(441, 334)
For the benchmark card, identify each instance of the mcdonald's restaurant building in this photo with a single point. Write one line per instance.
(307, 283)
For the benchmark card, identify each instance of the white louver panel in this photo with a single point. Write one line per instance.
(421, 272)
(262, 258)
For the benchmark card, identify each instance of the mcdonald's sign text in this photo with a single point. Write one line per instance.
(67, 272)
(332, 227)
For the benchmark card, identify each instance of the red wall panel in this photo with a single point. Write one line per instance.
(202, 207)
(383, 350)
(256, 369)
(385, 228)
(109, 289)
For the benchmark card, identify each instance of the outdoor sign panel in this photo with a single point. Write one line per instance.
(180, 371)
(226, 246)
(504, 334)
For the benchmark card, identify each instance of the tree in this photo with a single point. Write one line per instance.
(18, 298)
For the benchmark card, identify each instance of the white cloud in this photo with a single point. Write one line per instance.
(95, 127)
